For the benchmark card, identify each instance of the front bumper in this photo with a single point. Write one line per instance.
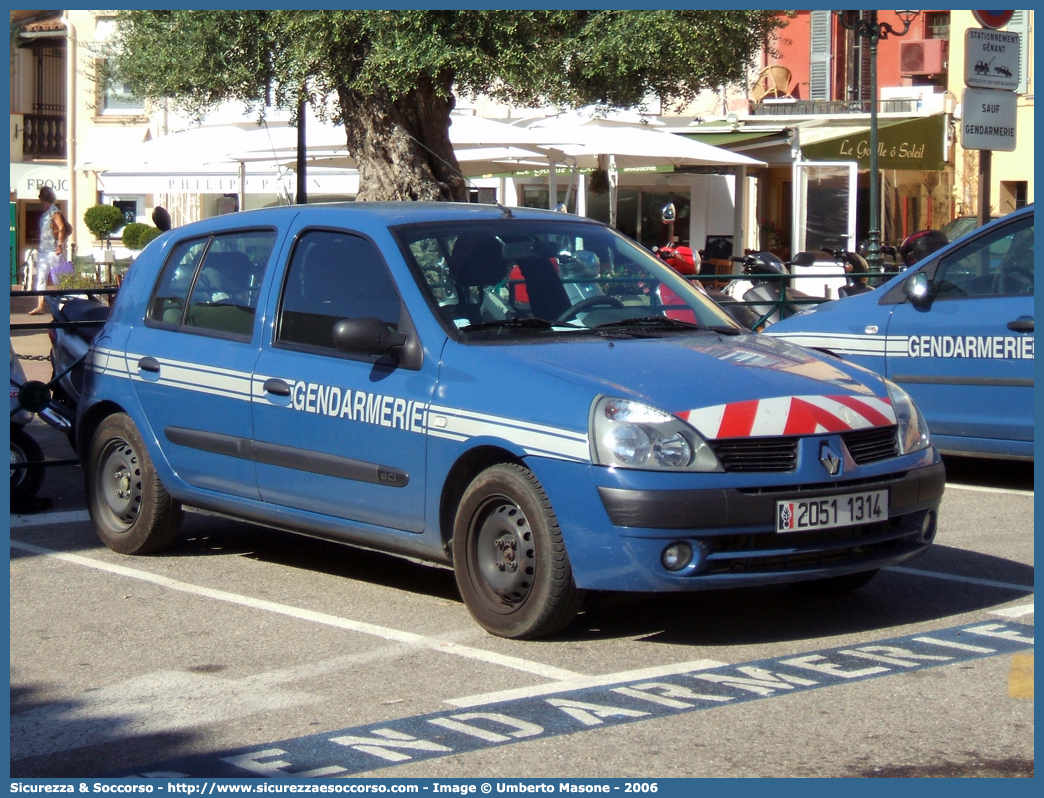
(732, 533)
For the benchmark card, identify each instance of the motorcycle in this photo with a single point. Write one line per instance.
(26, 480)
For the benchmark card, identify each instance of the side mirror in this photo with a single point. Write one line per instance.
(366, 336)
(668, 213)
(918, 290)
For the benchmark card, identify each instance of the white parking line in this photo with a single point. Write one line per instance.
(580, 683)
(1015, 612)
(954, 578)
(46, 519)
(384, 632)
(984, 489)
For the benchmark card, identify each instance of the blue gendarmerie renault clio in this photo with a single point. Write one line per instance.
(526, 395)
(955, 330)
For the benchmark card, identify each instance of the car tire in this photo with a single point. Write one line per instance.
(512, 568)
(25, 481)
(839, 585)
(131, 510)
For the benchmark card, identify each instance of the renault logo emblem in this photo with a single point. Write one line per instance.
(830, 460)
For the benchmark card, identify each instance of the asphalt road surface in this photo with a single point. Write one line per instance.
(243, 651)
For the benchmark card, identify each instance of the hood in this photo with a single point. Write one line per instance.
(707, 379)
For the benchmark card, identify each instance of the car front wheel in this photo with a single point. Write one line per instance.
(131, 510)
(510, 561)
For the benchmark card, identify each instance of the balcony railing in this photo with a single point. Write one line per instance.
(830, 107)
(44, 136)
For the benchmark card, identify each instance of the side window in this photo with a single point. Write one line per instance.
(1000, 264)
(213, 283)
(333, 276)
(226, 290)
(171, 292)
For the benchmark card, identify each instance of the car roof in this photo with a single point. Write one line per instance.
(386, 214)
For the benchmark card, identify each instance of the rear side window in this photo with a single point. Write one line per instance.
(169, 297)
(334, 276)
(213, 284)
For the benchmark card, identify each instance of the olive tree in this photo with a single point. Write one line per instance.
(390, 77)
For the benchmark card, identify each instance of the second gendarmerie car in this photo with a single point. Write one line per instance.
(956, 331)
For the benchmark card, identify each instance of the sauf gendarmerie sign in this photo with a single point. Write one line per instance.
(988, 121)
(992, 59)
(991, 73)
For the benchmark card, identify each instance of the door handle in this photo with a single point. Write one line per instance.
(1021, 324)
(149, 364)
(277, 387)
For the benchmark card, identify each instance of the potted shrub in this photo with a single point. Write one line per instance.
(103, 221)
(137, 235)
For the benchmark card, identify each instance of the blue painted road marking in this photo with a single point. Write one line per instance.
(361, 749)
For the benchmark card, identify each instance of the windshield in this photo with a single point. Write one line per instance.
(520, 278)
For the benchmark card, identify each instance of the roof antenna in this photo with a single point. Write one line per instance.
(503, 208)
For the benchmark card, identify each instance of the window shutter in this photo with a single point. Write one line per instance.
(1020, 23)
(819, 56)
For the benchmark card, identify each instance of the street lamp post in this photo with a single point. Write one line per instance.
(867, 27)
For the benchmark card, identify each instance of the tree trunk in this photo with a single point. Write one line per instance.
(402, 146)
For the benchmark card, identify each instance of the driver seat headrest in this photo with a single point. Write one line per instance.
(478, 260)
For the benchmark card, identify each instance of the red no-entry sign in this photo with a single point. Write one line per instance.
(993, 19)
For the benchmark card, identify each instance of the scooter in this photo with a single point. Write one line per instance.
(825, 273)
(682, 259)
(25, 479)
(69, 347)
(686, 261)
(763, 286)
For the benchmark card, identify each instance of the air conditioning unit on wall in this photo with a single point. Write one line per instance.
(923, 57)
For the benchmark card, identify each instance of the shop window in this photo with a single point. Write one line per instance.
(537, 197)
(626, 210)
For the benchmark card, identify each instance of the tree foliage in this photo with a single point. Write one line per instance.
(390, 76)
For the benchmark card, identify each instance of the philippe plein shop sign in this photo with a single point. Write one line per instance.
(341, 182)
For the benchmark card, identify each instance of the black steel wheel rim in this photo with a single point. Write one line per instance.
(503, 552)
(119, 482)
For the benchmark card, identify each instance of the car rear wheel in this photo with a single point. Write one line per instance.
(25, 481)
(510, 561)
(131, 510)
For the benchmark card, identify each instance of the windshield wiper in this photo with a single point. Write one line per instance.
(665, 323)
(520, 323)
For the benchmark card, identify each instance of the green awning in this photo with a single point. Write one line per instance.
(727, 139)
(915, 144)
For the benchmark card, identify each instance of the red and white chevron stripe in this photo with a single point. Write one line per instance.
(791, 415)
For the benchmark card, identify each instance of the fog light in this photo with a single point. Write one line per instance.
(928, 527)
(676, 556)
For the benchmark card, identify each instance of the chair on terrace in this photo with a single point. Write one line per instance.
(772, 82)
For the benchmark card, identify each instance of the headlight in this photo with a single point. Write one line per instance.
(913, 431)
(629, 434)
